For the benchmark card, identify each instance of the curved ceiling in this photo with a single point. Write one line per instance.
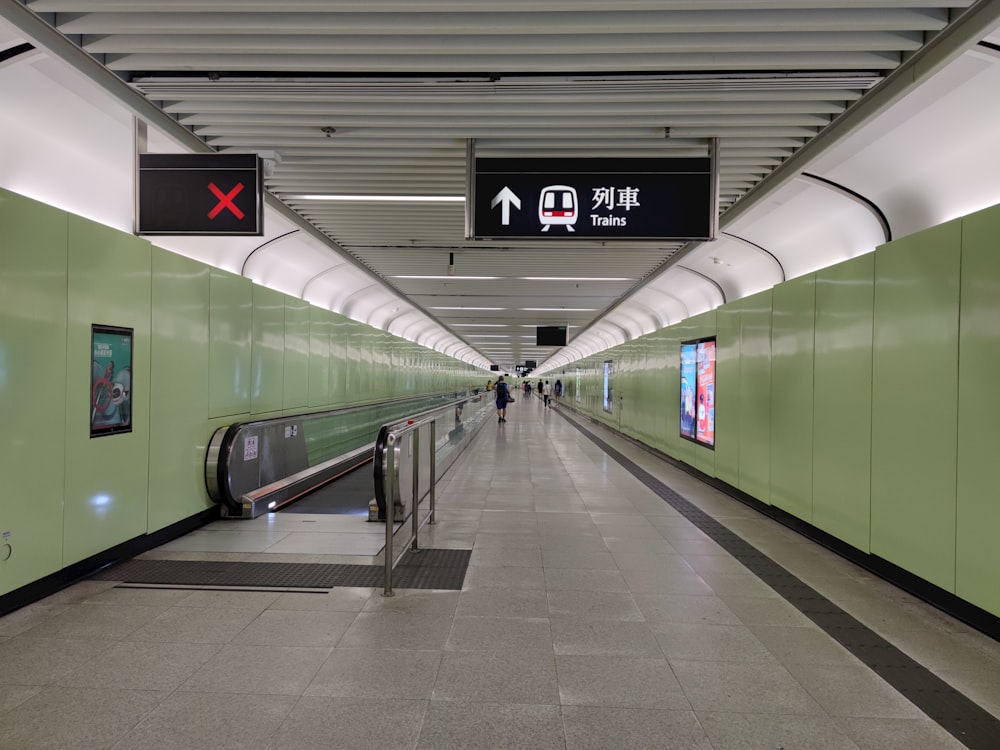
(839, 125)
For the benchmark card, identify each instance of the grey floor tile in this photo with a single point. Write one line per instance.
(603, 605)
(42, 661)
(253, 600)
(346, 599)
(427, 602)
(131, 665)
(619, 681)
(194, 721)
(147, 597)
(572, 579)
(706, 642)
(503, 603)
(453, 725)
(503, 556)
(318, 722)
(509, 577)
(196, 625)
(376, 674)
(500, 634)
(24, 619)
(737, 584)
(854, 691)
(743, 688)
(579, 560)
(649, 561)
(12, 696)
(280, 627)
(795, 645)
(100, 621)
(394, 630)
(600, 728)
(899, 734)
(603, 638)
(498, 676)
(261, 670)
(685, 608)
(734, 731)
(767, 610)
(59, 718)
(656, 582)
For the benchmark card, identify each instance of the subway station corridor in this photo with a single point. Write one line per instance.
(594, 614)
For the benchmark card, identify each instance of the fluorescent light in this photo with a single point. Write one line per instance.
(479, 325)
(467, 308)
(489, 336)
(378, 198)
(452, 278)
(575, 278)
(558, 309)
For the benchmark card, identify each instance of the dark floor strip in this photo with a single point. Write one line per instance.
(426, 569)
(973, 726)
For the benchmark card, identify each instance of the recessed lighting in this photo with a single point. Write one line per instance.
(479, 325)
(575, 278)
(449, 278)
(558, 309)
(467, 308)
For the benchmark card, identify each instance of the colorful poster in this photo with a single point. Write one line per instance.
(688, 389)
(609, 402)
(705, 430)
(110, 380)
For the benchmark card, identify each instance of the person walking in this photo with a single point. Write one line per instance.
(503, 398)
(545, 391)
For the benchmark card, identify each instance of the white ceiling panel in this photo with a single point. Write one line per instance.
(383, 98)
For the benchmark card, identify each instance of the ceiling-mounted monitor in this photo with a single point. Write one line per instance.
(550, 336)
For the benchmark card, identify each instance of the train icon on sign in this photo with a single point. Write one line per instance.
(557, 205)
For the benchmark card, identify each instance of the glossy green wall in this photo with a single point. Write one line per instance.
(842, 401)
(107, 477)
(755, 396)
(915, 402)
(178, 433)
(793, 327)
(33, 279)
(978, 511)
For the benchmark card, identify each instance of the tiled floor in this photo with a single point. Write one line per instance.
(593, 616)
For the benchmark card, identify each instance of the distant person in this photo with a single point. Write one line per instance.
(545, 391)
(503, 398)
(489, 385)
(557, 391)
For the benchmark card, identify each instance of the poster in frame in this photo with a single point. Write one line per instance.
(697, 396)
(111, 350)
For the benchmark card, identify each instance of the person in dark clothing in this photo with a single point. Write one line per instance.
(503, 398)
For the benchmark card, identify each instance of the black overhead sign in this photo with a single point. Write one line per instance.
(607, 199)
(200, 194)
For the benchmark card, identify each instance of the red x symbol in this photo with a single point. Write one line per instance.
(225, 200)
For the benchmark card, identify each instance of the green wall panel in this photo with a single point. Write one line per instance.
(296, 375)
(842, 404)
(978, 559)
(178, 411)
(33, 281)
(107, 477)
(914, 402)
(267, 355)
(320, 328)
(727, 394)
(230, 327)
(755, 396)
(793, 318)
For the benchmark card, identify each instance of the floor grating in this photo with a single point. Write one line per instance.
(426, 569)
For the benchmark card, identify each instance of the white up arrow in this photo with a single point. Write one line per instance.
(505, 198)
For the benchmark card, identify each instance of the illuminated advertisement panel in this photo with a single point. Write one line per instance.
(110, 380)
(608, 393)
(697, 405)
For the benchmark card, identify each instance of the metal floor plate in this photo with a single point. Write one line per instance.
(427, 569)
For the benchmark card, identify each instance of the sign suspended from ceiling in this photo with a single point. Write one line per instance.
(215, 194)
(667, 198)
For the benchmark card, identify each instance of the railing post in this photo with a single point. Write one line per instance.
(390, 509)
(433, 467)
